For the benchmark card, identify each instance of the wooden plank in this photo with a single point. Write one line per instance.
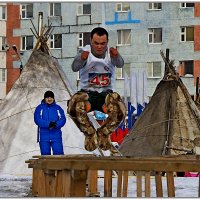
(121, 164)
(50, 180)
(170, 184)
(108, 183)
(91, 156)
(63, 183)
(105, 183)
(119, 184)
(78, 187)
(92, 181)
(139, 184)
(125, 184)
(158, 181)
(147, 184)
(35, 175)
(38, 183)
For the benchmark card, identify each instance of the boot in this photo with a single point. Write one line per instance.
(116, 114)
(78, 106)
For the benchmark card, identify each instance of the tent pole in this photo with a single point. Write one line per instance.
(167, 58)
(197, 88)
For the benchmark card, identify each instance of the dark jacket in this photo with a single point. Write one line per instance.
(43, 115)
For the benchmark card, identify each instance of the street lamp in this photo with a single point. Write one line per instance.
(16, 51)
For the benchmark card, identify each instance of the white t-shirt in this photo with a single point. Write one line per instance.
(98, 74)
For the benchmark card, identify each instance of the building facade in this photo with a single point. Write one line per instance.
(138, 30)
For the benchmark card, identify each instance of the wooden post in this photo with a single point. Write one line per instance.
(38, 183)
(78, 187)
(92, 181)
(35, 175)
(119, 184)
(158, 180)
(63, 183)
(170, 184)
(108, 183)
(125, 183)
(49, 176)
(139, 184)
(147, 184)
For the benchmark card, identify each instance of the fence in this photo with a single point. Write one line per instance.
(76, 175)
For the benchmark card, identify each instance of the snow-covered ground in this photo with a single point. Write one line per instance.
(14, 186)
(19, 186)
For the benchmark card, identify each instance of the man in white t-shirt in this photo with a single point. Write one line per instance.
(96, 63)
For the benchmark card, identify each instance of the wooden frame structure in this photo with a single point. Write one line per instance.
(76, 175)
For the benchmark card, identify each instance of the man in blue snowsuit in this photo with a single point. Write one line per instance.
(50, 118)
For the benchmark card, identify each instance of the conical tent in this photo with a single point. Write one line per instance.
(18, 132)
(169, 125)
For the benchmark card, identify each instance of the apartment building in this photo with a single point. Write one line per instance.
(9, 60)
(138, 30)
(3, 77)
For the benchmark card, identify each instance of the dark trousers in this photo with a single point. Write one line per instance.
(97, 99)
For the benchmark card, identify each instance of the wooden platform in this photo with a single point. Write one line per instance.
(76, 175)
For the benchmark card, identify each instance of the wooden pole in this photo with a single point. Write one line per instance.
(125, 183)
(49, 176)
(170, 184)
(78, 187)
(197, 88)
(147, 184)
(167, 58)
(108, 183)
(92, 181)
(63, 183)
(158, 180)
(38, 183)
(139, 184)
(119, 184)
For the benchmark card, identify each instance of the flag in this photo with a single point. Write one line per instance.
(132, 104)
(140, 91)
(145, 97)
(133, 90)
(126, 84)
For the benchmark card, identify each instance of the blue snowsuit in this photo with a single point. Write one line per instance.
(50, 138)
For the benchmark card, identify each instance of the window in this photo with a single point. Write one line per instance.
(56, 41)
(187, 34)
(26, 11)
(2, 75)
(155, 6)
(83, 39)
(55, 9)
(2, 12)
(122, 7)
(154, 69)
(124, 37)
(120, 72)
(155, 35)
(3, 45)
(26, 42)
(84, 9)
(188, 66)
(186, 5)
